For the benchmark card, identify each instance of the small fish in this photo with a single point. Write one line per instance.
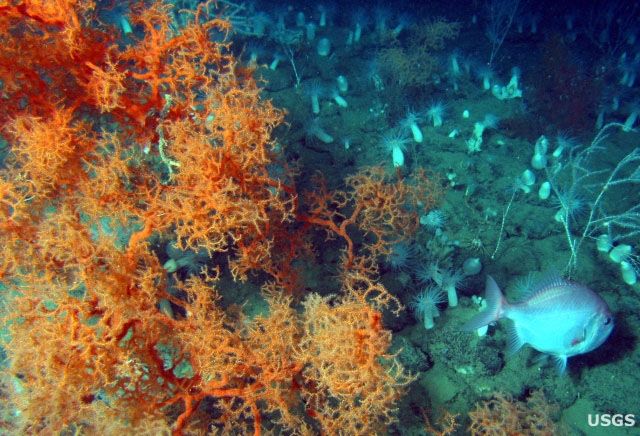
(557, 317)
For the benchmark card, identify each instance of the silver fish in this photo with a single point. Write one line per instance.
(558, 317)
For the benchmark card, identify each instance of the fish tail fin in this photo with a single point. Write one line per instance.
(495, 306)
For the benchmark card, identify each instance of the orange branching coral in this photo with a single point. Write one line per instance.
(58, 12)
(332, 359)
(46, 36)
(113, 148)
(386, 211)
(220, 191)
(433, 33)
(46, 151)
(165, 62)
(446, 425)
(390, 210)
(106, 86)
(501, 415)
(356, 381)
(411, 62)
(67, 16)
(250, 371)
(83, 314)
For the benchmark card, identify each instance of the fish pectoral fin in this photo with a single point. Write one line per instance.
(514, 339)
(561, 362)
(540, 359)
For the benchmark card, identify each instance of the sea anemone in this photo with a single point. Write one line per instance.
(634, 112)
(404, 20)
(434, 220)
(381, 16)
(314, 89)
(340, 101)
(359, 20)
(316, 130)
(451, 279)
(425, 305)
(400, 256)
(564, 142)
(374, 75)
(429, 272)
(490, 121)
(255, 52)
(277, 57)
(435, 113)
(486, 74)
(454, 64)
(395, 142)
(410, 122)
(571, 205)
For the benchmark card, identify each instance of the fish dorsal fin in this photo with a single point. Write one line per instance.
(531, 288)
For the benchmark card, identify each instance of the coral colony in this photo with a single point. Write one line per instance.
(279, 218)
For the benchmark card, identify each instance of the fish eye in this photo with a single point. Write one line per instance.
(607, 321)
